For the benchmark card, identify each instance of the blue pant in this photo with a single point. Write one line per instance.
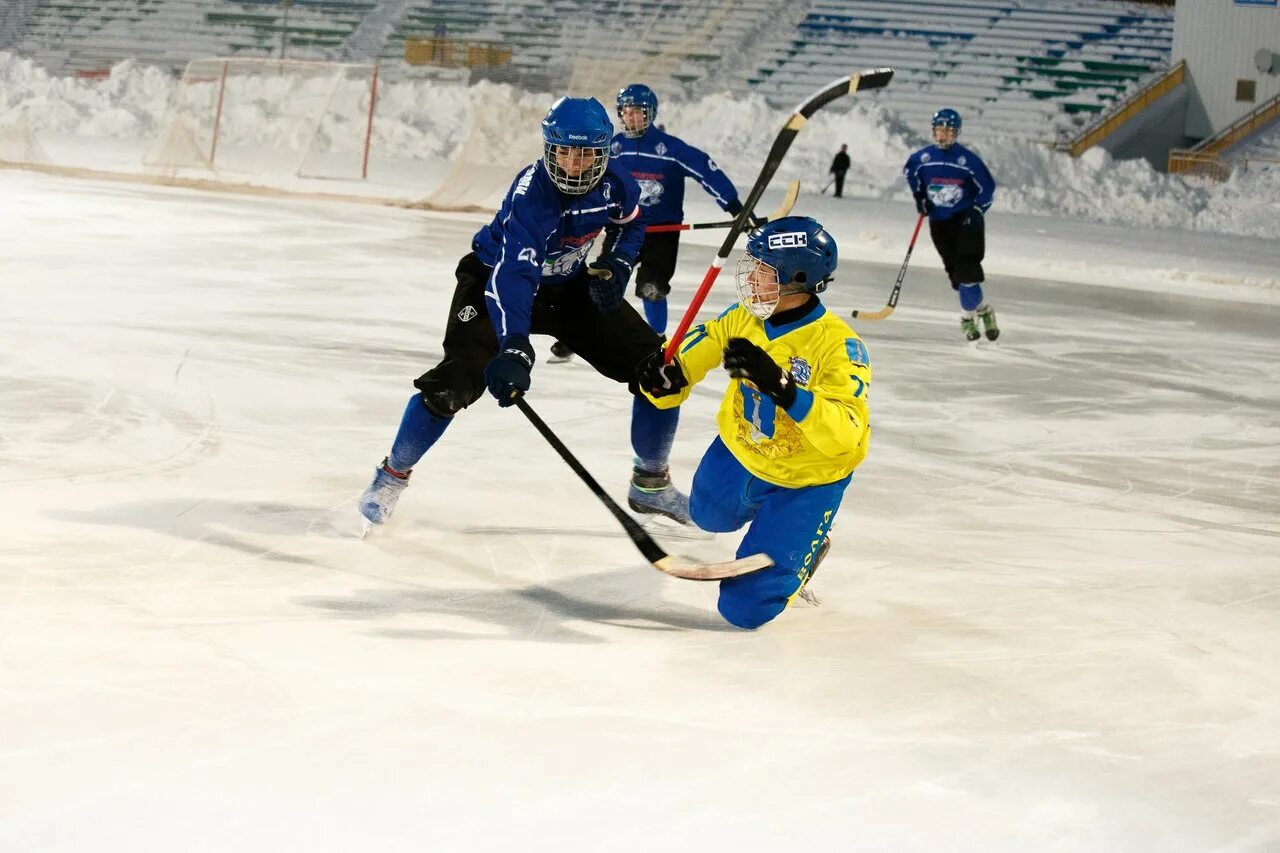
(788, 524)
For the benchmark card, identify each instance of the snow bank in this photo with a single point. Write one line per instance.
(429, 121)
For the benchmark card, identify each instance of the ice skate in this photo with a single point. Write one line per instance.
(560, 353)
(653, 494)
(969, 326)
(379, 500)
(804, 592)
(988, 317)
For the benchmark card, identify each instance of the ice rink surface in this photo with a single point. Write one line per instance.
(1049, 622)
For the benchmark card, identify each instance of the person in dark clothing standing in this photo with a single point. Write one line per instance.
(839, 165)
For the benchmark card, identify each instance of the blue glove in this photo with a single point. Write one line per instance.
(609, 276)
(507, 373)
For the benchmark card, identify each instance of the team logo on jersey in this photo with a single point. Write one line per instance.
(788, 240)
(568, 262)
(468, 314)
(650, 192)
(946, 194)
(925, 157)
(660, 149)
(800, 370)
(615, 148)
(960, 160)
(605, 188)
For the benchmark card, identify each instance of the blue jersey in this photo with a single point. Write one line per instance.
(542, 237)
(660, 162)
(954, 179)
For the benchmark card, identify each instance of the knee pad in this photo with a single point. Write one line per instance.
(442, 402)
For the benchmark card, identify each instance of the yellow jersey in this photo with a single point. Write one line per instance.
(823, 435)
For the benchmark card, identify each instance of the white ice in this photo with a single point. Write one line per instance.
(1049, 622)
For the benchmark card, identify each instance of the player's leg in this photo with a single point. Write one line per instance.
(657, 265)
(792, 527)
(452, 385)
(614, 343)
(945, 234)
(720, 499)
(971, 247)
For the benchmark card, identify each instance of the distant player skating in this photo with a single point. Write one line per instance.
(792, 423)
(660, 163)
(527, 274)
(952, 186)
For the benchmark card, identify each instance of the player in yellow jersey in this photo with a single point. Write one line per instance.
(793, 421)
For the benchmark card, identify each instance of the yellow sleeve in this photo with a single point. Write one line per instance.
(832, 410)
(700, 352)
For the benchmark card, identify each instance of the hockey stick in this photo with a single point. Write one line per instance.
(897, 286)
(827, 186)
(660, 559)
(861, 82)
(788, 202)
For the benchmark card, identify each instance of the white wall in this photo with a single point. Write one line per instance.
(1219, 38)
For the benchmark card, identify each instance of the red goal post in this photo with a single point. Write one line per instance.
(312, 119)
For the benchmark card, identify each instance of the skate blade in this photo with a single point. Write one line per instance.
(368, 529)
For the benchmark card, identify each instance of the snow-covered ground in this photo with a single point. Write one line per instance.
(1049, 622)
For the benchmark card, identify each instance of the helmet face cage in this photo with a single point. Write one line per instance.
(947, 119)
(758, 287)
(575, 170)
(637, 96)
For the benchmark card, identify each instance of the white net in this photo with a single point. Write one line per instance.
(18, 142)
(269, 117)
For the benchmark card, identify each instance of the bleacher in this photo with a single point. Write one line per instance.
(88, 36)
(1025, 67)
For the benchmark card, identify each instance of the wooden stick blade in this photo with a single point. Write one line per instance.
(689, 570)
(788, 201)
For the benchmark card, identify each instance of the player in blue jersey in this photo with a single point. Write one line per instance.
(793, 422)
(952, 185)
(528, 273)
(660, 163)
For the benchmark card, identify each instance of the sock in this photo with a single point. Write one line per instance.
(419, 429)
(656, 314)
(970, 296)
(653, 431)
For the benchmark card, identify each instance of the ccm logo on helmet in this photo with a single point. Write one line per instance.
(788, 240)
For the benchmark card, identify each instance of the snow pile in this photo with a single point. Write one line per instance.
(429, 120)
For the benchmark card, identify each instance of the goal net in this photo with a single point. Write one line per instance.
(270, 117)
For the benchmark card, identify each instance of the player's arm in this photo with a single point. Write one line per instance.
(624, 235)
(518, 271)
(986, 185)
(701, 351)
(698, 165)
(832, 411)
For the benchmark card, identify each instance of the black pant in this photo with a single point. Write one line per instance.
(839, 183)
(657, 264)
(961, 241)
(613, 343)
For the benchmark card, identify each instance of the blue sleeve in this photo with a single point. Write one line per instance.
(910, 173)
(699, 166)
(986, 184)
(529, 220)
(624, 235)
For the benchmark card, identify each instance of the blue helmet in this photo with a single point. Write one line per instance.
(575, 137)
(638, 95)
(798, 249)
(947, 117)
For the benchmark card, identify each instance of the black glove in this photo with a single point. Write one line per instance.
(735, 207)
(507, 373)
(971, 216)
(745, 360)
(923, 206)
(609, 276)
(659, 378)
